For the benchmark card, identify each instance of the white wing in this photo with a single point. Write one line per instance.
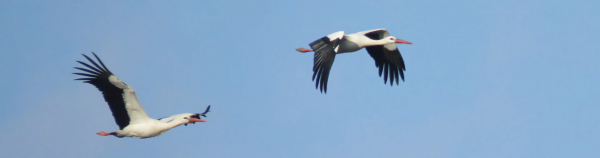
(120, 97)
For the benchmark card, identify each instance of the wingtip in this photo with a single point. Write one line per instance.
(323, 89)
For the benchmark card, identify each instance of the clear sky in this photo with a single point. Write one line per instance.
(494, 79)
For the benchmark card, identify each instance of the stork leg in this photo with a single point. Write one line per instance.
(106, 134)
(303, 50)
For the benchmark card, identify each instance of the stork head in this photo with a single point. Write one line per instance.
(184, 119)
(197, 117)
(392, 39)
(193, 119)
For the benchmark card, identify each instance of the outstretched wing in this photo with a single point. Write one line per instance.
(325, 50)
(206, 111)
(121, 98)
(387, 57)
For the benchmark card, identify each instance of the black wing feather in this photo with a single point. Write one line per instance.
(205, 111)
(112, 95)
(101, 63)
(200, 114)
(389, 62)
(324, 56)
(82, 69)
(86, 65)
(378, 34)
(82, 74)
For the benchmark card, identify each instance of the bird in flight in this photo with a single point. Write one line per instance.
(127, 111)
(380, 45)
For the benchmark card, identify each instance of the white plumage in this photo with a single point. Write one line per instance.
(380, 45)
(123, 103)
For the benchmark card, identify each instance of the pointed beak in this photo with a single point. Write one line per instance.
(193, 120)
(402, 41)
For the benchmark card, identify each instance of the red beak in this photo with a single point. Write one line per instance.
(192, 120)
(402, 41)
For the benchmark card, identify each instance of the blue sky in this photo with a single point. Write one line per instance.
(516, 78)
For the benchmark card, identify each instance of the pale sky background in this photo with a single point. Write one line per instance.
(493, 79)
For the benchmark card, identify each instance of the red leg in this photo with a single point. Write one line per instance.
(303, 50)
(106, 134)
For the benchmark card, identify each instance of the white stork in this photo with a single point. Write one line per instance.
(127, 111)
(380, 45)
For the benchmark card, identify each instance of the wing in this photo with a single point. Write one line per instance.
(206, 111)
(121, 98)
(387, 57)
(325, 50)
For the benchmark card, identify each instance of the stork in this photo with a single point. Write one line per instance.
(380, 45)
(123, 103)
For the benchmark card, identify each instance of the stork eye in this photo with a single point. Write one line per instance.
(185, 118)
(391, 38)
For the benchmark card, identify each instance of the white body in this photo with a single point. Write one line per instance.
(379, 44)
(127, 111)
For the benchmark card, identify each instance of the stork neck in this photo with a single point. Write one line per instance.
(169, 125)
(370, 42)
(363, 41)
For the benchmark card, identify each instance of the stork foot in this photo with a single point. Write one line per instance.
(303, 50)
(106, 134)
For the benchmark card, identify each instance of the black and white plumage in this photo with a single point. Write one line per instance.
(122, 101)
(380, 45)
